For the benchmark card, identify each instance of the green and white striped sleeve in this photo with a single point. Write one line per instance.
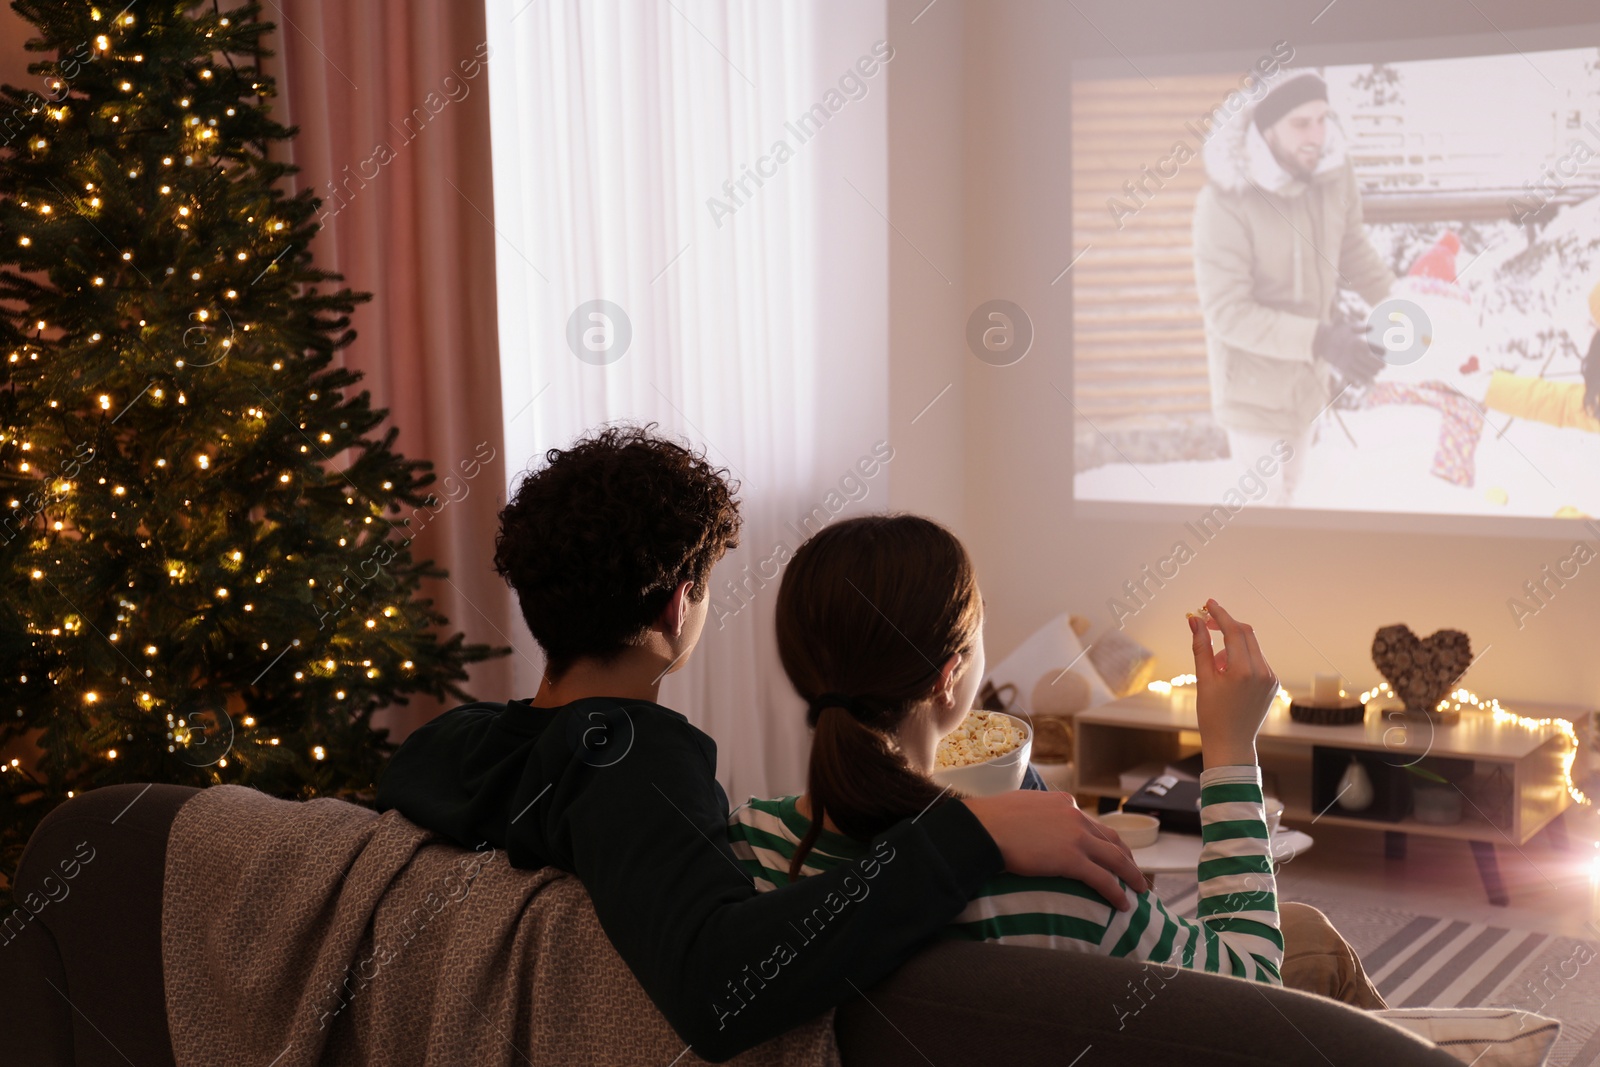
(1237, 930)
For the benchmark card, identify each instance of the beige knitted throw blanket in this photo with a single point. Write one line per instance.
(320, 932)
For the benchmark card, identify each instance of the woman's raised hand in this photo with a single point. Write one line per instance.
(1235, 688)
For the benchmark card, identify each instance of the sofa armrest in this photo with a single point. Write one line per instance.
(87, 932)
(35, 1018)
(961, 1002)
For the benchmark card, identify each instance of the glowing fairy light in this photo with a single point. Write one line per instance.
(1504, 717)
(1183, 681)
(1382, 690)
(1464, 699)
(1177, 683)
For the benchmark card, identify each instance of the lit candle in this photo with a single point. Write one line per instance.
(1326, 690)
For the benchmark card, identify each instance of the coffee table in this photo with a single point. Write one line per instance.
(1148, 726)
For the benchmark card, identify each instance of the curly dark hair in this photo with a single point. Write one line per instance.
(596, 541)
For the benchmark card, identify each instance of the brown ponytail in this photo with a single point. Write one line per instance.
(871, 608)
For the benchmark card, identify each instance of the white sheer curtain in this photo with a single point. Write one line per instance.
(617, 126)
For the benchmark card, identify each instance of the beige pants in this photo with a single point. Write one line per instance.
(1317, 959)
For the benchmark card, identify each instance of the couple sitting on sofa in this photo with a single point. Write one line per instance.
(740, 932)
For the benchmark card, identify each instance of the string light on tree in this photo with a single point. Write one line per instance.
(146, 470)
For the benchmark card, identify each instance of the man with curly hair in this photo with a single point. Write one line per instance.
(610, 548)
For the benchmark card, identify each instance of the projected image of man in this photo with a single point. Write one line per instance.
(1278, 231)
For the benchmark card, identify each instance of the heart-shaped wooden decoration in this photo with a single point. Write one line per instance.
(1421, 672)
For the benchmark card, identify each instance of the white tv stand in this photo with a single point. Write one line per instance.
(1521, 765)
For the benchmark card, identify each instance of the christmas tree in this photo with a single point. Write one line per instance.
(204, 555)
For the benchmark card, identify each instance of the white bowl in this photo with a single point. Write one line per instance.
(1136, 831)
(1002, 774)
(1274, 812)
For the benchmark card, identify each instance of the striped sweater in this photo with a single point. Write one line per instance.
(1236, 933)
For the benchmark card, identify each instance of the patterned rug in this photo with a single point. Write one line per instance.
(1422, 961)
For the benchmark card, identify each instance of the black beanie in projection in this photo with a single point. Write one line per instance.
(1288, 96)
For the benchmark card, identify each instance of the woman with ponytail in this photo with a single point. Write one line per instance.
(880, 629)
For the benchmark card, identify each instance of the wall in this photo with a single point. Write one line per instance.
(14, 30)
(928, 298)
(1316, 595)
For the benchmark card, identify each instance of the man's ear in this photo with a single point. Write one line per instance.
(677, 610)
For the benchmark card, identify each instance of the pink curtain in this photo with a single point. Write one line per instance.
(392, 105)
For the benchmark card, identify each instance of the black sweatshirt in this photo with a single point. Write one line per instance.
(623, 794)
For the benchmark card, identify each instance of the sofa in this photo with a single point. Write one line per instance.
(81, 980)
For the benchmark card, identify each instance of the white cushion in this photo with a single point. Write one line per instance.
(1051, 648)
(1487, 1037)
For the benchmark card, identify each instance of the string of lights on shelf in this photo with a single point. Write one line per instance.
(1462, 699)
(1183, 681)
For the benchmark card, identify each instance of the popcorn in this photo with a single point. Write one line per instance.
(982, 735)
(1203, 615)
